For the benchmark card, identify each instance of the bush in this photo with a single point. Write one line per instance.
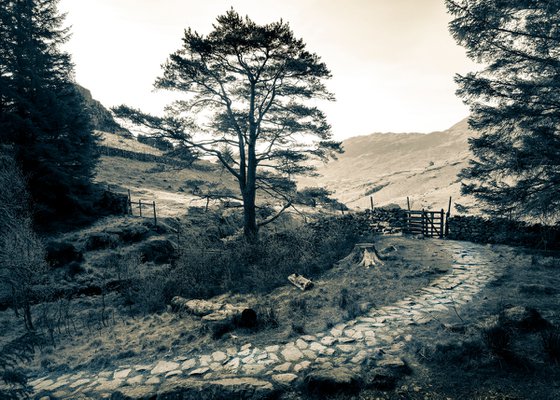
(551, 344)
(497, 339)
(207, 266)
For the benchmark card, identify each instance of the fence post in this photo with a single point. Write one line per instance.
(447, 218)
(441, 225)
(424, 225)
(371, 200)
(155, 217)
(140, 206)
(129, 203)
(408, 203)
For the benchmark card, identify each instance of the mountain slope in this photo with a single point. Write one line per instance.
(392, 166)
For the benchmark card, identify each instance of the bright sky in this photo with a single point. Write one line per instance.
(392, 61)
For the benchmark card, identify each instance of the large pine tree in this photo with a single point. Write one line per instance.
(251, 100)
(41, 113)
(514, 101)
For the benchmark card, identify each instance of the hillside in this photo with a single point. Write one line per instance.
(392, 166)
(149, 181)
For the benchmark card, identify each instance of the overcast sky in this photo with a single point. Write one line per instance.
(392, 61)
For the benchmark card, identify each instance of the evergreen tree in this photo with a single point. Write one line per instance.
(514, 101)
(250, 90)
(41, 112)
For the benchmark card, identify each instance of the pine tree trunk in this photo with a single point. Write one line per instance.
(27, 316)
(250, 228)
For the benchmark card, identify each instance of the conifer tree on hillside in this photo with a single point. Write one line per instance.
(249, 104)
(42, 115)
(514, 101)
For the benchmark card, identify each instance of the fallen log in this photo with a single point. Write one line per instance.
(300, 282)
(216, 312)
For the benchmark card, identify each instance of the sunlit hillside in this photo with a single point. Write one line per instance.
(392, 166)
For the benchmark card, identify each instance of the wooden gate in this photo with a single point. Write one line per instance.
(426, 223)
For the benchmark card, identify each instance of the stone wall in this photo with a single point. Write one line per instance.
(378, 220)
(504, 231)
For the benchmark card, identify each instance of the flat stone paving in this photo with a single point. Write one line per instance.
(381, 334)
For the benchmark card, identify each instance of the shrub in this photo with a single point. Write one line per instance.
(551, 344)
(207, 266)
(497, 339)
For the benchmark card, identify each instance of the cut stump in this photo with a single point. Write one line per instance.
(364, 254)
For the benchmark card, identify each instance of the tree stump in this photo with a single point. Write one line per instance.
(364, 254)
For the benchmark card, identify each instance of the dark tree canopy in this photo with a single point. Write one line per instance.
(248, 99)
(514, 101)
(42, 115)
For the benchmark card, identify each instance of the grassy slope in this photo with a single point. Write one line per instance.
(421, 166)
(149, 181)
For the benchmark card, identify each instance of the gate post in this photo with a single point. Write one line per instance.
(424, 224)
(441, 225)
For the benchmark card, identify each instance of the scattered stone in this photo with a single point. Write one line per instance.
(346, 348)
(163, 367)
(189, 364)
(152, 381)
(233, 363)
(301, 344)
(253, 369)
(173, 373)
(79, 382)
(248, 360)
(135, 380)
(205, 360)
(309, 354)
(328, 351)
(199, 371)
(244, 353)
(43, 384)
(291, 353)
(316, 347)
(301, 366)
(524, 318)
(284, 379)
(328, 340)
(333, 380)
(122, 373)
(219, 356)
(272, 349)
(108, 386)
(283, 367)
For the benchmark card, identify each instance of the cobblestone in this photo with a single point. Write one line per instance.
(381, 334)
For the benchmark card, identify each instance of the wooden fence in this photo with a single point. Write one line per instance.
(143, 208)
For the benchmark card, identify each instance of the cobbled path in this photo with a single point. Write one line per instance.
(381, 334)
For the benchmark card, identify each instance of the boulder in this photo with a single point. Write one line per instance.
(333, 380)
(158, 251)
(523, 318)
(101, 240)
(62, 253)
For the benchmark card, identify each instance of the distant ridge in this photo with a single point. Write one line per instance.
(392, 166)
